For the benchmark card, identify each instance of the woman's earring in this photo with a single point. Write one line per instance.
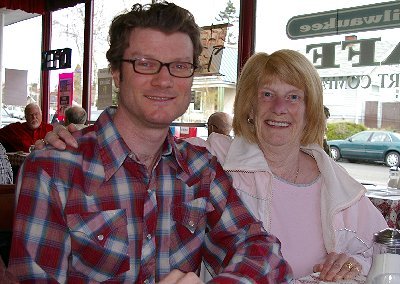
(250, 121)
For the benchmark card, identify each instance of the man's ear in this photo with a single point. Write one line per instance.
(116, 77)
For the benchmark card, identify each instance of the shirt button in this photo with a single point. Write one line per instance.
(191, 224)
(149, 190)
(100, 237)
(148, 236)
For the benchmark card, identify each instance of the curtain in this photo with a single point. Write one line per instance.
(39, 6)
(30, 6)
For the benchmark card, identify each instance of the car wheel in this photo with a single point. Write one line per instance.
(335, 153)
(392, 159)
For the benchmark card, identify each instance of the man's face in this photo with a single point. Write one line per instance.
(33, 117)
(154, 101)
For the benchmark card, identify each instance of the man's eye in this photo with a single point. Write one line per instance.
(180, 66)
(267, 94)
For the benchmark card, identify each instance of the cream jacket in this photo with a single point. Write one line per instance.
(349, 219)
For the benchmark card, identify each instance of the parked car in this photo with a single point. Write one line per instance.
(373, 146)
(7, 118)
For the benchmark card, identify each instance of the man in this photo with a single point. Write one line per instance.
(133, 204)
(219, 122)
(327, 149)
(21, 136)
(76, 115)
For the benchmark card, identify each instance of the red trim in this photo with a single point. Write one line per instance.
(247, 20)
(30, 6)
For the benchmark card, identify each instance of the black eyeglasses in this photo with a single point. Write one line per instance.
(149, 66)
(211, 126)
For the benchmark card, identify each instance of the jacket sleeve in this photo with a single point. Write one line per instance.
(355, 234)
(237, 248)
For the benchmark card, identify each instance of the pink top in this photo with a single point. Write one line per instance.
(305, 248)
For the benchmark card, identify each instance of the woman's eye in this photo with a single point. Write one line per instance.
(267, 94)
(294, 98)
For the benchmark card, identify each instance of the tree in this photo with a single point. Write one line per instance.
(229, 16)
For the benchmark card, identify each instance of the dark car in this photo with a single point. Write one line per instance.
(373, 146)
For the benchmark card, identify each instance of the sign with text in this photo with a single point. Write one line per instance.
(362, 18)
(16, 87)
(104, 98)
(213, 40)
(65, 93)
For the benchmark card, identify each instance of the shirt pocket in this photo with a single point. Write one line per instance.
(189, 223)
(189, 217)
(99, 243)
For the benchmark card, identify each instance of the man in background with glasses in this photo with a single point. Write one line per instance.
(132, 204)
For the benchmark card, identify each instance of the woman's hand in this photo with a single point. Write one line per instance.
(337, 267)
(59, 138)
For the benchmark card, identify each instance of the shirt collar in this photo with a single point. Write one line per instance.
(113, 149)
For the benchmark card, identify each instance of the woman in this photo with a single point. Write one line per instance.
(320, 213)
(278, 165)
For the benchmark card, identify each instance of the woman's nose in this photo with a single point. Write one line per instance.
(279, 105)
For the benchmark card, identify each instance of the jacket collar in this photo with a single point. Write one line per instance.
(246, 156)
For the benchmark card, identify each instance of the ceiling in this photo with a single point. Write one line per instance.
(14, 16)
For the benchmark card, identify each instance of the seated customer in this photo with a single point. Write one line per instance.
(20, 136)
(76, 115)
(219, 122)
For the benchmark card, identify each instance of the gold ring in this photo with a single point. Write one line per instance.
(44, 142)
(349, 265)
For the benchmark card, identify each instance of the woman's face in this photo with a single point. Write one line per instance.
(280, 114)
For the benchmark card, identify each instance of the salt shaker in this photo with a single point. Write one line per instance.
(393, 177)
(386, 253)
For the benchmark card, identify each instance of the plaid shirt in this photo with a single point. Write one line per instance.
(94, 214)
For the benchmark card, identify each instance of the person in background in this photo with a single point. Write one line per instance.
(219, 122)
(21, 136)
(6, 172)
(132, 203)
(326, 147)
(76, 115)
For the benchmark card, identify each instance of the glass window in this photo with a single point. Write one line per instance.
(66, 83)
(361, 137)
(350, 82)
(21, 68)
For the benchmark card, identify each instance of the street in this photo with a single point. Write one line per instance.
(367, 172)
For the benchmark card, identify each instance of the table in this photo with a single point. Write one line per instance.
(387, 201)
(16, 159)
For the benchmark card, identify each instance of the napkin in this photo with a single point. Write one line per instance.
(314, 279)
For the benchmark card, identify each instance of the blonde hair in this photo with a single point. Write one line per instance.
(291, 67)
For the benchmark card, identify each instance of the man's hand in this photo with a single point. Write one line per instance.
(178, 277)
(337, 267)
(5, 276)
(59, 138)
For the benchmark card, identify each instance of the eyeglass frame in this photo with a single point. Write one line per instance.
(162, 64)
(208, 126)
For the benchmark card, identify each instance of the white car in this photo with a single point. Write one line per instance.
(6, 118)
